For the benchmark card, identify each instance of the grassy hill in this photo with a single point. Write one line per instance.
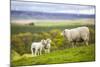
(78, 54)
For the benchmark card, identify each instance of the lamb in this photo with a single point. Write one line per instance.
(47, 46)
(79, 34)
(40, 46)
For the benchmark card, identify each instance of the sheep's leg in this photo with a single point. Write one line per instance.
(73, 45)
(86, 43)
(36, 52)
(40, 51)
(32, 51)
(48, 50)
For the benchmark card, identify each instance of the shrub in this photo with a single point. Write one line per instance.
(14, 55)
(92, 35)
(57, 39)
(32, 23)
(21, 42)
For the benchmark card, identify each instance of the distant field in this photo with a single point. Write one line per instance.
(66, 23)
(47, 26)
(78, 54)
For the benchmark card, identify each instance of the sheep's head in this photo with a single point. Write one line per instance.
(47, 43)
(64, 33)
(48, 40)
(43, 42)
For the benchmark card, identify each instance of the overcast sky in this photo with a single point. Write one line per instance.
(51, 7)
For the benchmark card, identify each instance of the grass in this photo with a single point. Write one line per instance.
(15, 29)
(78, 54)
(68, 55)
(47, 26)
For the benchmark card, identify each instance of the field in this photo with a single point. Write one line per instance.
(49, 25)
(79, 54)
(22, 35)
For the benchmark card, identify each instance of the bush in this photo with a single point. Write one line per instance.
(36, 37)
(21, 42)
(17, 44)
(92, 35)
(14, 55)
(57, 40)
(32, 23)
(45, 35)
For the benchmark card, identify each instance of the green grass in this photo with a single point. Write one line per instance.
(15, 29)
(48, 25)
(78, 54)
(68, 55)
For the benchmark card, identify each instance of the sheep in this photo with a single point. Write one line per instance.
(47, 46)
(38, 47)
(79, 34)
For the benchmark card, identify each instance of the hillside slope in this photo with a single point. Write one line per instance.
(78, 54)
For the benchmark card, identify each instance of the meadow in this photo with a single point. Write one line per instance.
(61, 51)
(47, 26)
(79, 54)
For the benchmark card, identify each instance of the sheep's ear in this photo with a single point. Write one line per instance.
(49, 40)
(64, 31)
(43, 41)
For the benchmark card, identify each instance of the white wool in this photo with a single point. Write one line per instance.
(39, 46)
(76, 34)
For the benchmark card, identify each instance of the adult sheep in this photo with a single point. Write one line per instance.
(79, 34)
(37, 47)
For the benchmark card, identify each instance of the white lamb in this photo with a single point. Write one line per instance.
(47, 46)
(38, 47)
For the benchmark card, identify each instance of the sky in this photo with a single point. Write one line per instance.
(52, 7)
(84, 2)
